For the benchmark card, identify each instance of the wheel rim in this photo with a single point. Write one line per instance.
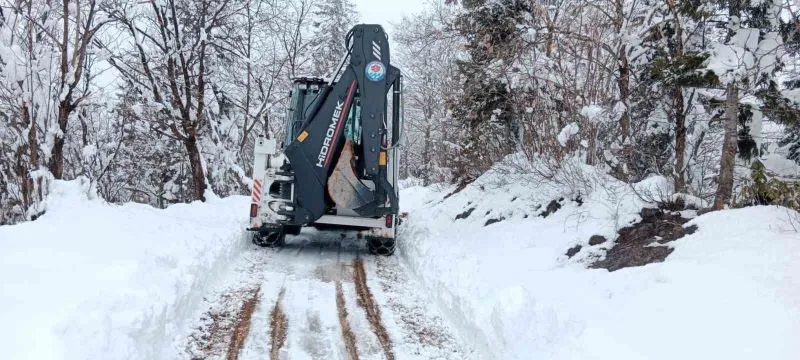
(380, 246)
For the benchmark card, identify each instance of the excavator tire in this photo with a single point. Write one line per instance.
(292, 230)
(273, 239)
(380, 246)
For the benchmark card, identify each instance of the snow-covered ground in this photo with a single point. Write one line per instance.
(729, 291)
(90, 280)
(302, 280)
(481, 274)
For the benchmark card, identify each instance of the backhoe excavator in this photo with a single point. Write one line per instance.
(337, 165)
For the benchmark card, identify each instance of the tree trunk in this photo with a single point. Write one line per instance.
(198, 174)
(426, 154)
(29, 188)
(404, 171)
(57, 153)
(725, 188)
(624, 72)
(590, 152)
(624, 94)
(680, 141)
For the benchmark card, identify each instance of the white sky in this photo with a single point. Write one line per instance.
(383, 11)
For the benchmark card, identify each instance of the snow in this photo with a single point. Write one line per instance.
(690, 201)
(567, 132)
(89, 151)
(781, 166)
(592, 112)
(728, 291)
(730, 62)
(747, 54)
(90, 280)
(100, 281)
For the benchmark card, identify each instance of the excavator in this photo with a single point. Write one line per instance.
(336, 168)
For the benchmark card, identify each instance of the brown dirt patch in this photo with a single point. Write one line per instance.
(633, 246)
(279, 324)
(226, 324)
(367, 301)
(347, 332)
(242, 326)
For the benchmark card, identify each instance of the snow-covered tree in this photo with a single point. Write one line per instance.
(426, 48)
(169, 66)
(45, 47)
(746, 59)
(332, 20)
(484, 105)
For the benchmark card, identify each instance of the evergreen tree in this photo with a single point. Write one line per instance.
(333, 19)
(672, 61)
(484, 103)
(748, 61)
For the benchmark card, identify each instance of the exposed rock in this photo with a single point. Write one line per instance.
(552, 207)
(648, 214)
(578, 199)
(492, 221)
(597, 240)
(573, 250)
(632, 246)
(465, 214)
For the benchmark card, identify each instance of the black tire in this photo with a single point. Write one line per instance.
(381, 246)
(273, 239)
(293, 230)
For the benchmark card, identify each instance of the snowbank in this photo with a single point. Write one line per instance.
(729, 291)
(90, 280)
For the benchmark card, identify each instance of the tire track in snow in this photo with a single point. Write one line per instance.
(419, 328)
(310, 302)
(367, 302)
(279, 324)
(317, 298)
(347, 333)
(213, 336)
(242, 327)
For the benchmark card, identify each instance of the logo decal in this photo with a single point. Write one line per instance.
(332, 128)
(376, 71)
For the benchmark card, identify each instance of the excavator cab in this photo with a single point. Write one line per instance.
(303, 94)
(338, 161)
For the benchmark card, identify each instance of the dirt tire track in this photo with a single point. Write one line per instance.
(278, 325)
(367, 301)
(213, 339)
(242, 326)
(347, 332)
(423, 331)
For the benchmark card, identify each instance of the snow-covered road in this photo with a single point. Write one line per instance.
(320, 296)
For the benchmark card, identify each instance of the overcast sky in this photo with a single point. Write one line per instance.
(384, 11)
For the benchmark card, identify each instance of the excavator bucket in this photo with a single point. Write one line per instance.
(344, 186)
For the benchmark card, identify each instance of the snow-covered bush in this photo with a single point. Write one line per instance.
(763, 189)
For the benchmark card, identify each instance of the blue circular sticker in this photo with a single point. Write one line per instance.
(376, 71)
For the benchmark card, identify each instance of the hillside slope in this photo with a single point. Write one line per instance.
(494, 255)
